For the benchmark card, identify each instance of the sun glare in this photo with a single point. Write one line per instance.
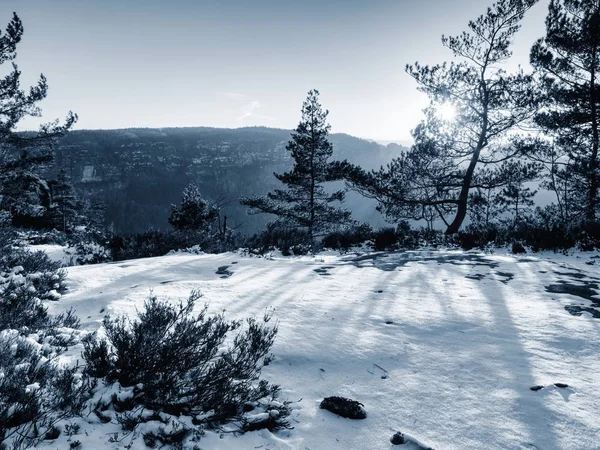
(446, 112)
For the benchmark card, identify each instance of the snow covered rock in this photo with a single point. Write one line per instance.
(400, 438)
(344, 407)
(397, 439)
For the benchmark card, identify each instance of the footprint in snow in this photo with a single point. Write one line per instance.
(477, 276)
(539, 387)
(564, 389)
(224, 272)
(506, 275)
(323, 271)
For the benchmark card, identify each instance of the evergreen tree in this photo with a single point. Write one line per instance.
(194, 212)
(26, 196)
(516, 198)
(305, 204)
(64, 210)
(563, 179)
(24, 193)
(449, 154)
(483, 209)
(569, 59)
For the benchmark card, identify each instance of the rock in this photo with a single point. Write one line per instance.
(398, 439)
(344, 407)
(536, 388)
(561, 385)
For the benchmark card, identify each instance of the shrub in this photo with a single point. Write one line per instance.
(345, 240)
(25, 280)
(385, 239)
(88, 245)
(159, 243)
(406, 237)
(277, 235)
(31, 262)
(90, 253)
(34, 268)
(34, 392)
(37, 237)
(589, 237)
(517, 248)
(21, 307)
(151, 243)
(177, 362)
(477, 236)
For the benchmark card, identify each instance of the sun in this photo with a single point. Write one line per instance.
(446, 112)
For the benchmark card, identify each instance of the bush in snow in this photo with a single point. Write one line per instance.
(25, 280)
(89, 253)
(35, 393)
(152, 243)
(517, 248)
(346, 239)
(88, 245)
(177, 363)
(403, 237)
(159, 243)
(30, 261)
(385, 239)
(277, 235)
(37, 237)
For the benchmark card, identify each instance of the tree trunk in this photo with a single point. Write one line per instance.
(463, 198)
(312, 181)
(593, 189)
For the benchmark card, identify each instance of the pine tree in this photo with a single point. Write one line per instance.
(488, 101)
(562, 178)
(64, 210)
(26, 196)
(445, 162)
(194, 212)
(305, 204)
(569, 59)
(24, 193)
(515, 197)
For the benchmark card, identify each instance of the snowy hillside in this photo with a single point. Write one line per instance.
(443, 346)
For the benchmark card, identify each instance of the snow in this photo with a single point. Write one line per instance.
(57, 253)
(443, 346)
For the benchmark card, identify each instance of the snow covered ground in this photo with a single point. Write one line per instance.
(441, 345)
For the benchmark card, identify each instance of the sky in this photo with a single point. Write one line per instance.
(235, 63)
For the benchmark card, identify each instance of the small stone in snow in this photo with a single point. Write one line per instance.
(398, 439)
(344, 407)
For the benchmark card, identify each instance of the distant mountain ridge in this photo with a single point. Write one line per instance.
(138, 172)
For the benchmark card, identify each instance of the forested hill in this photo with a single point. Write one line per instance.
(138, 173)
